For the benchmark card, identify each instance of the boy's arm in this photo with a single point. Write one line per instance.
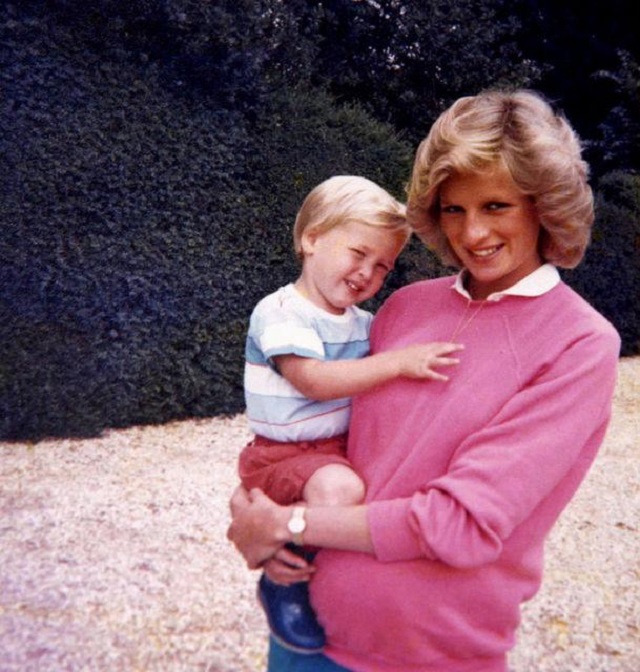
(321, 380)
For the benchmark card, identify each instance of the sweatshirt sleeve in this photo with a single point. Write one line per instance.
(532, 455)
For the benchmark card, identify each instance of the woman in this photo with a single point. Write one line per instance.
(464, 481)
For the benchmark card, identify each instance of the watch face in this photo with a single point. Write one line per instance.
(296, 525)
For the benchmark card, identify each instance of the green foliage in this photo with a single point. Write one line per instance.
(609, 276)
(154, 154)
(618, 142)
(140, 226)
(112, 269)
(407, 60)
(585, 50)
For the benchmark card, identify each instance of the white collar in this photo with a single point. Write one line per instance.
(537, 283)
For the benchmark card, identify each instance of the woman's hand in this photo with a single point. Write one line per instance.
(258, 527)
(285, 568)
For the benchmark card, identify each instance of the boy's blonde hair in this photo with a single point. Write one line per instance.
(349, 198)
(538, 147)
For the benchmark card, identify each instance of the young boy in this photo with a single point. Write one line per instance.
(306, 354)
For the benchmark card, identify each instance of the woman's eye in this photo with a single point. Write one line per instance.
(496, 206)
(450, 209)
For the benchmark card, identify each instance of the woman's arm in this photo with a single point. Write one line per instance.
(521, 467)
(321, 380)
(259, 527)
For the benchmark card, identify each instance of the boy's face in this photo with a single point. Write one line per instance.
(346, 265)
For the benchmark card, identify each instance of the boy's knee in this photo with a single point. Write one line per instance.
(334, 485)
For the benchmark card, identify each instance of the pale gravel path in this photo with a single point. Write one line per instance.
(113, 556)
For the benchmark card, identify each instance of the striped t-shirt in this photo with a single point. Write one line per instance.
(287, 323)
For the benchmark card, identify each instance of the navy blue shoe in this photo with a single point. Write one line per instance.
(291, 619)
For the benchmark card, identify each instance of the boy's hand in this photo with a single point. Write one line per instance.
(419, 361)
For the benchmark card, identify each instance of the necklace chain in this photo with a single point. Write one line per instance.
(465, 320)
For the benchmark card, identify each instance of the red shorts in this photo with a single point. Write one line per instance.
(283, 469)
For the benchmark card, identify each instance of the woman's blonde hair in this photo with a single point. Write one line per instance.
(539, 148)
(349, 198)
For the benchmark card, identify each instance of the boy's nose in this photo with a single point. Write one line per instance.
(366, 271)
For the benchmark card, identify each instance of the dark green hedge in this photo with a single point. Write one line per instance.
(609, 275)
(140, 223)
(138, 228)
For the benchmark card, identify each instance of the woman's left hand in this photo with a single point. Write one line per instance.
(286, 568)
(258, 527)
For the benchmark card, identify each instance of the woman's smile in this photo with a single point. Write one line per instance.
(486, 252)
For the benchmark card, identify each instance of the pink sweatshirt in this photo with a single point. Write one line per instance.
(465, 478)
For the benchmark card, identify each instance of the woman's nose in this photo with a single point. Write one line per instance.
(474, 228)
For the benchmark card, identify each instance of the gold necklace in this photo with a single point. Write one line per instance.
(466, 321)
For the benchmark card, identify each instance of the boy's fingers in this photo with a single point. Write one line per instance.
(447, 361)
(451, 347)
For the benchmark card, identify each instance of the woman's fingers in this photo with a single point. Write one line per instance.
(286, 568)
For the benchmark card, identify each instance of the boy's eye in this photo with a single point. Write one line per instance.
(358, 253)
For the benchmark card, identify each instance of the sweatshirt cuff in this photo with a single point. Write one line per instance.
(391, 533)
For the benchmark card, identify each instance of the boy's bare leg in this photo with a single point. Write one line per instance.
(334, 485)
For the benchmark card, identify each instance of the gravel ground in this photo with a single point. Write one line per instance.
(113, 556)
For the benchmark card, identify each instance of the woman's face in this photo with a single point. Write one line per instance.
(492, 227)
